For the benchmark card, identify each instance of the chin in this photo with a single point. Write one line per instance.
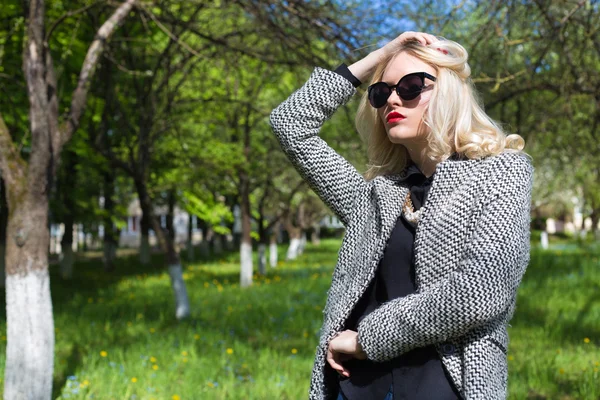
(398, 138)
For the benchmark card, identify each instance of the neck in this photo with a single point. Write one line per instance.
(425, 165)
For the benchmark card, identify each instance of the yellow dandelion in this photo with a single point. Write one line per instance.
(586, 340)
(129, 323)
(229, 308)
(294, 351)
(90, 300)
(196, 337)
(220, 288)
(184, 353)
(3, 338)
(305, 334)
(185, 360)
(153, 360)
(558, 351)
(595, 369)
(277, 278)
(140, 316)
(561, 371)
(511, 358)
(210, 384)
(103, 353)
(206, 284)
(244, 365)
(597, 363)
(155, 367)
(134, 380)
(175, 397)
(86, 382)
(229, 351)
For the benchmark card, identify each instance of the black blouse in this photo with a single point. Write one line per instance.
(418, 374)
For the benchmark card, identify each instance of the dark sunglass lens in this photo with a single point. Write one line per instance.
(379, 94)
(410, 87)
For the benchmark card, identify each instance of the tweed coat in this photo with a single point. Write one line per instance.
(471, 248)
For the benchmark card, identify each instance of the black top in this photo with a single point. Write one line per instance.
(418, 374)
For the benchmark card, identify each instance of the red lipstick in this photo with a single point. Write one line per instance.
(394, 117)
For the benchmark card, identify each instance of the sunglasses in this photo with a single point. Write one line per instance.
(407, 88)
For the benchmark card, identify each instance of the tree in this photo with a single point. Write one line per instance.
(30, 327)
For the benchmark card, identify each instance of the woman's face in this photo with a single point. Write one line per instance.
(405, 128)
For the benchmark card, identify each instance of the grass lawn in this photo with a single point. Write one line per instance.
(117, 338)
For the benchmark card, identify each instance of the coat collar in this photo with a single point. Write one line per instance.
(404, 176)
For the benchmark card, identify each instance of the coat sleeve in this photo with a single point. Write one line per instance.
(479, 290)
(297, 122)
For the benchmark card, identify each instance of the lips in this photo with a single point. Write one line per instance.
(394, 117)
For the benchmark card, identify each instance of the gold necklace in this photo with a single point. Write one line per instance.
(409, 210)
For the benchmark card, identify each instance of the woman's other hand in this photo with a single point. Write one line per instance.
(344, 347)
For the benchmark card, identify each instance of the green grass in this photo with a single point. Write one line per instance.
(117, 338)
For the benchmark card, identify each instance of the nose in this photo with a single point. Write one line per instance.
(394, 99)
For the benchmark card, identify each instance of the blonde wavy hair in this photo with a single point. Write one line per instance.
(454, 116)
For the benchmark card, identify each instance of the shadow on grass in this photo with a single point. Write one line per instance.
(552, 279)
(72, 361)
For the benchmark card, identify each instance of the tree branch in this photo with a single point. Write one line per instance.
(89, 67)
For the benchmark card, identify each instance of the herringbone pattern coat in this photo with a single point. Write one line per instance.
(471, 248)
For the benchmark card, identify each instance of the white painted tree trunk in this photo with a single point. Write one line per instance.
(292, 252)
(145, 250)
(66, 263)
(30, 334)
(182, 302)
(302, 244)
(246, 264)
(262, 259)
(273, 254)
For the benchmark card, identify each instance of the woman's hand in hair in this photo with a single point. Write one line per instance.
(343, 347)
(408, 36)
(363, 69)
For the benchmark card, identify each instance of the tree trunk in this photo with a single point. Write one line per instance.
(294, 247)
(206, 236)
(110, 240)
(171, 215)
(217, 244)
(182, 303)
(315, 235)
(190, 238)
(66, 244)
(30, 326)
(302, 244)
(145, 238)
(262, 259)
(273, 249)
(3, 226)
(246, 268)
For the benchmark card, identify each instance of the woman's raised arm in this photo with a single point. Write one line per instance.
(297, 122)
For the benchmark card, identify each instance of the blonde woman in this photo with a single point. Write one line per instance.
(437, 229)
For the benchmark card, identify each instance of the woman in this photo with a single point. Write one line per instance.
(437, 230)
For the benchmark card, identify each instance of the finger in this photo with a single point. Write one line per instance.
(333, 361)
